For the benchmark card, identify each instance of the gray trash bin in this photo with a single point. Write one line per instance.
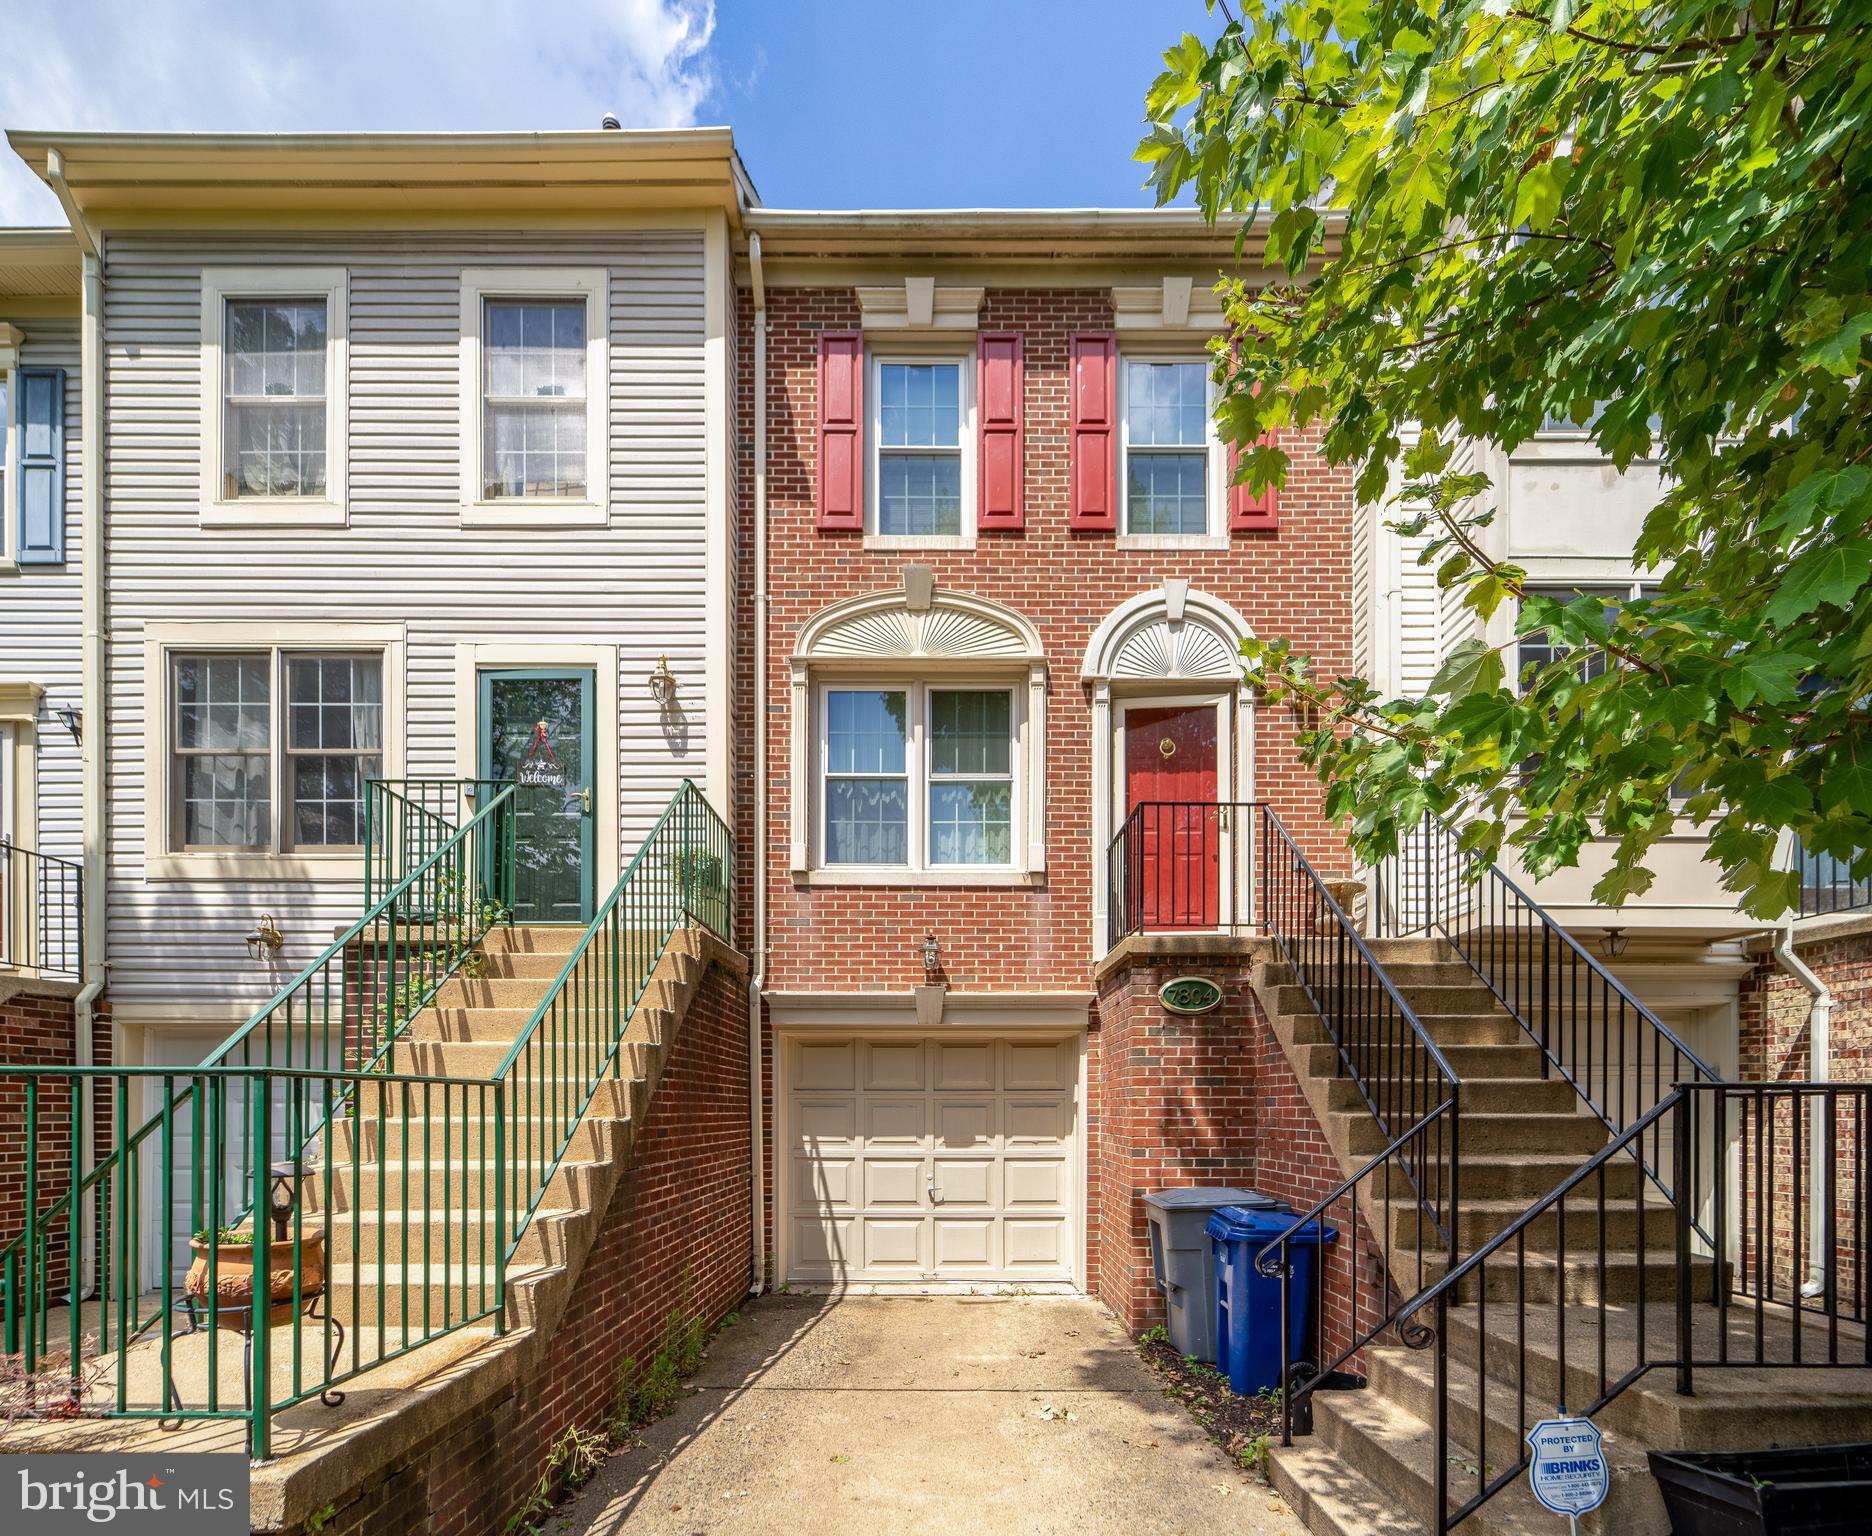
(1184, 1261)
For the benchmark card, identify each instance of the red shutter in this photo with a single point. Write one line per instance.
(1094, 433)
(841, 430)
(1003, 456)
(1248, 512)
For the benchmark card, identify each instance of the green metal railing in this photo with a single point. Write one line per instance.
(683, 872)
(394, 1200)
(312, 1062)
(407, 820)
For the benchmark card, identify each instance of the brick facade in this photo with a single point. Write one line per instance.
(38, 1028)
(675, 1235)
(1293, 582)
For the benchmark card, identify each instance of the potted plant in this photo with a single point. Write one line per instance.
(1808, 1489)
(232, 1249)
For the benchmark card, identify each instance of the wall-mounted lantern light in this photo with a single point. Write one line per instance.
(266, 941)
(72, 718)
(663, 683)
(1614, 942)
(932, 959)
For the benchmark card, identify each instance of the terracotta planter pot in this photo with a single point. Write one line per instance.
(234, 1277)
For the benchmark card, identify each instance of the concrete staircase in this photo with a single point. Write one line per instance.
(1367, 1467)
(412, 1221)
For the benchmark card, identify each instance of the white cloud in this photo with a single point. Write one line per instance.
(318, 65)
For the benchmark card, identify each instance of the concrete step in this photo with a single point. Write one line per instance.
(541, 964)
(1521, 1177)
(1395, 1450)
(1492, 1133)
(468, 1024)
(492, 992)
(1450, 998)
(1480, 1096)
(1582, 1281)
(467, 1136)
(449, 1185)
(1479, 1220)
(535, 938)
(1332, 1498)
(1319, 1058)
(441, 1237)
(1402, 951)
(362, 1295)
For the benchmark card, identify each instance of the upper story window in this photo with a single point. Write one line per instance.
(921, 466)
(535, 394)
(1537, 648)
(919, 448)
(919, 777)
(1172, 456)
(229, 710)
(274, 395)
(533, 431)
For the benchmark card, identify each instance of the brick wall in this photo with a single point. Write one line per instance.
(676, 1234)
(1293, 583)
(38, 1029)
(1774, 1047)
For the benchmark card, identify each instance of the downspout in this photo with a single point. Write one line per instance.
(758, 977)
(92, 717)
(1819, 1070)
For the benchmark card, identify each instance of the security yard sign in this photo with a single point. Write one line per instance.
(1568, 1471)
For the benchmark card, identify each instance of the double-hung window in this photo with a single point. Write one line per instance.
(252, 730)
(918, 777)
(1171, 452)
(923, 463)
(273, 408)
(535, 389)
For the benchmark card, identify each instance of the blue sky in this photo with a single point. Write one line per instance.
(836, 103)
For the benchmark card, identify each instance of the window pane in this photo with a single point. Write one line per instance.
(867, 821)
(920, 405)
(535, 450)
(1165, 493)
(1537, 648)
(865, 732)
(223, 703)
(971, 823)
(334, 702)
(1166, 404)
(328, 799)
(276, 347)
(225, 803)
(969, 732)
(920, 494)
(535, 349)
(275, 450)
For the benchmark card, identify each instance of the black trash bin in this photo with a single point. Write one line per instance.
(1812, 1490)
(1184, 1264)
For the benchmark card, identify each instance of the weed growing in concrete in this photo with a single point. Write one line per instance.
(574, 1457)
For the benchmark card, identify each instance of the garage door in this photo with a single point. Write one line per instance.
(936, 1159)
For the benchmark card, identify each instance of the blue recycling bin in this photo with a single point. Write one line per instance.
(1248, 1341)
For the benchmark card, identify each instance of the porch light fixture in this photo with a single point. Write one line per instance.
(1613, 943)
(663, 683)
(282, 1195)
(72, 718)
(266, 941)
(932, 959)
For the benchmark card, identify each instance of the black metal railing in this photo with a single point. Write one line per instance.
(1599, 1281)
(41, 913)
(1617, 1054)
(1827, 884)
(1178, 866)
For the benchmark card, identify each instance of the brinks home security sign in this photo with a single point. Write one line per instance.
(1569, 1472)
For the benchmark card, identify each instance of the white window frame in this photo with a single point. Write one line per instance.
(966, 366)
(591, 284)
(218, 286)
(163, 642)
(918, 870)
(1215, 469)
(9, 448)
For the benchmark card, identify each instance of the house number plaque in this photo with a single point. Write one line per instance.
(1190, 994)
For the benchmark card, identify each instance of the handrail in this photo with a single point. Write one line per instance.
(682, 871)
(45, 933)
(407, 819)
(1533, 965)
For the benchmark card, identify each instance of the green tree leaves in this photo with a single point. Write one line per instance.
(1656, 221)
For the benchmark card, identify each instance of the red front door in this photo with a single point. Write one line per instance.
(1170, 772)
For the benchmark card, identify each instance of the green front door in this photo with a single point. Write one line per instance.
(536, 732)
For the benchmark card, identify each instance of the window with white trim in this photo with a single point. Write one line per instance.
(274, 395)
(7, 471)
(250, 730)
(921, 432)
(1171, 481)
(535, 396)
(919, 776)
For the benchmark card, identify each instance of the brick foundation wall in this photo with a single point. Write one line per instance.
(1775, 1046)
(676, 1235)
(38, 1028)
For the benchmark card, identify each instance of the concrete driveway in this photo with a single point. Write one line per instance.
(923, 1415)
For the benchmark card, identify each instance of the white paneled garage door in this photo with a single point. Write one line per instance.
(931, 1159)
